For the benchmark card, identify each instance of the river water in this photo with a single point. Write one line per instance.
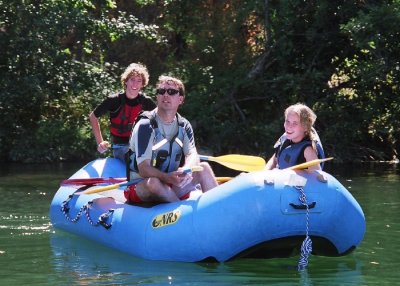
(33, 253)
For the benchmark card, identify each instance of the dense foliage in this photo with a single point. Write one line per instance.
(243, 63)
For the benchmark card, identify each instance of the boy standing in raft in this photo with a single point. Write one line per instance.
(162, 146)
(123, 109)
(300, 142)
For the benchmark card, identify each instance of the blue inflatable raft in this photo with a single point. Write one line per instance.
(261, 214)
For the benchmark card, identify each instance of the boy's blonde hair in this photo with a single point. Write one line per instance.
(135, 69)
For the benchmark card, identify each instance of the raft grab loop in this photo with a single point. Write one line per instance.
(102, 220)
(104, 217)
(303, 206)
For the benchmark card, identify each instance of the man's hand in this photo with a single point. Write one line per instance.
(181, 177)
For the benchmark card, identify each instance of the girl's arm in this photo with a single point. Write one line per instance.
(310, 154)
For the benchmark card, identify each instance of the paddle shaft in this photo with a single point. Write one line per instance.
(91, 181)
(309, 164)
(296, 167)
(111, 187)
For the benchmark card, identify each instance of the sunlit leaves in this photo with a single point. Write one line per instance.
(126, 25)
(111, 4)
(374, 69)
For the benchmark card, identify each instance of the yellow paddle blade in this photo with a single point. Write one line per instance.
(309, 164)
(238, 162)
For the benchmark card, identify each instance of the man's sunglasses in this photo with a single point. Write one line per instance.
(170, 91)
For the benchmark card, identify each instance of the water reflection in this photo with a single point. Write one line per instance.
(83, 261)
(87, 263)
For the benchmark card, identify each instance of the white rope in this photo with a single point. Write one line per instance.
(306, 246)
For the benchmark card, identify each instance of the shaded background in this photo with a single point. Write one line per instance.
(243, 63)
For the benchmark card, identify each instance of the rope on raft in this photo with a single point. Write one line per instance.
(102, 220)
(306, 246)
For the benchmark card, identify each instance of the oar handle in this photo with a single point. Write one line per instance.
(204, 158)
(193, 169)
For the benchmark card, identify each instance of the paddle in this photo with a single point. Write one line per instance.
(305, 165)
(132, 182)
(91, 181)
(109, 187)
(309, 164)
(237, 162)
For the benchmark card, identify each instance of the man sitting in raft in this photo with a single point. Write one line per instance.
(162, 146)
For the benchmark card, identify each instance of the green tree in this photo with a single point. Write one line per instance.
(53, 71)
(246, 62)
(243, 63)
(368, 81)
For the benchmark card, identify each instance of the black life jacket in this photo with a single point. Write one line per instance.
(122, 123)
(289, 154)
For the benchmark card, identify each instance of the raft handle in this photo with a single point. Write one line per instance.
(303, 207)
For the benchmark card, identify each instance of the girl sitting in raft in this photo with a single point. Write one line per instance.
(300, 142)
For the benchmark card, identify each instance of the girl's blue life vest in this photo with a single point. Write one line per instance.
(289, 155)
(167, 155)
